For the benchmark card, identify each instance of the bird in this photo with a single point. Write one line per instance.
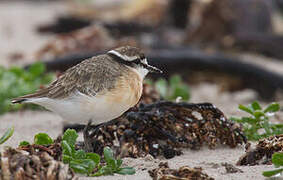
(99, 89)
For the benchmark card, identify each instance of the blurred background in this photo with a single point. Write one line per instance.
(226, 52)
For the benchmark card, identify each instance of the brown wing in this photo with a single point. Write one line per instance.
(88, 77)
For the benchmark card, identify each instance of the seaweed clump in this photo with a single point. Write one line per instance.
(183, 173)
(262, 153)
(164, 128)
(34, 162)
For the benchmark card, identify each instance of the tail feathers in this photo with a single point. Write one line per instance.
(29, 97)
(19, 100)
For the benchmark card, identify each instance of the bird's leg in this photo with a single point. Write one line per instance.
(87, 138)
(97, 127)
(77, 127)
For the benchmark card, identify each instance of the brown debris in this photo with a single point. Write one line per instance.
(262, 154)
(183, 173)
(94, 38)
(53, 150)
(149, 95)
(230, 168)
(224, 22)
(164, 128)
(35, 163)
(149, 12)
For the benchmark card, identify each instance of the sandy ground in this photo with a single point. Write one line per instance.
(17, 34)
(28, 123)
(18, 22)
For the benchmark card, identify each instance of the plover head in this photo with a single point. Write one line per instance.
(133, 57)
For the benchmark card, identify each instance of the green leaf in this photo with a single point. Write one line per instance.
(7, 135)
(277, 159)
(24, 143)
(255, 105)
(78, 168)
(105, 170)
(175, 80)
(70, 136)
(16, 81)
(83, 166)
(112, 163)
(273, 107)
(182, 91)
(80, 154)
(67, 149)
(88, 164)
(246, 109)
(94, 157)
(119, 163)
(258, 114)
(272, 173)
(17, 71)
(37, 69)
(42, 139)
(235, 119)
(108, 154)
(66, 158)
(161, 87)
(126, 170)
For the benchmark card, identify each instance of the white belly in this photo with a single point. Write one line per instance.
(81, 108)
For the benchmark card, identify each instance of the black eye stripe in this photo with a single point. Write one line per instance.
(137, 61)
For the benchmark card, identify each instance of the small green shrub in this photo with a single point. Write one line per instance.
(16, 81)
(84, 163)
(80, 161)
(172, 89)
(277, 161)
(259, 121)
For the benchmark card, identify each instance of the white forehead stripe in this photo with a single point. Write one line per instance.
(125, 57)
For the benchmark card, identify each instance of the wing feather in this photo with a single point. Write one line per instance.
(88, 77)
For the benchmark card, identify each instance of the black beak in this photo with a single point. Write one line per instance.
(152, 68)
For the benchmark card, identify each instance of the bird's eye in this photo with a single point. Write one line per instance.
(137, 61)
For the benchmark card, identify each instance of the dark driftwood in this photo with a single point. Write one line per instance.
(185, 60)
(64, 24)
(263, 43)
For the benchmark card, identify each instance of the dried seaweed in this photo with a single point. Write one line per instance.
(34, 162)
(183, 173)
(230, 168)
(262, 153)
(164, 128)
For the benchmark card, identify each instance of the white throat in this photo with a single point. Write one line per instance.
(142, 72)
